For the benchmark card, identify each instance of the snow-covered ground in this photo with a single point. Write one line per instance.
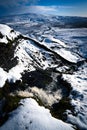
(78, 81)
(31, 116)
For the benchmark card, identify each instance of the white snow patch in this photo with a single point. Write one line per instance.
(3, 77)
(15, 73)
(68, 55)
(62, 69)
(6, 32)
(58, 41)
(31, 116)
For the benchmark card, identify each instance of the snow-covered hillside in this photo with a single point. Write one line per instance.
(31, 116)
(50, 72)
(29, 55)
(78, 96)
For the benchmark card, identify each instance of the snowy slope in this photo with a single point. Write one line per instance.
(29, 56)
(31, 116)
(62, 49)
(78, 96)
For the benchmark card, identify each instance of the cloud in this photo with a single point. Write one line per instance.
(43, 9)
(16, 7)
(57, 10)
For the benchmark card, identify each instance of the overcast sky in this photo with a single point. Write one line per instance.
(59, 7)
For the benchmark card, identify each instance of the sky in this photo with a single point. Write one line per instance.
(56, 7)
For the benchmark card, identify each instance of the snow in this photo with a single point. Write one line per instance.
(35, 53)
(62, 49)
(23, 58)
(23, 62)
(3, 77)
(29, 56)
(58, 41)
(68, 55)
(62, 69)
(31, 116)
(78, 81)
(15, 73)
(6, 32)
